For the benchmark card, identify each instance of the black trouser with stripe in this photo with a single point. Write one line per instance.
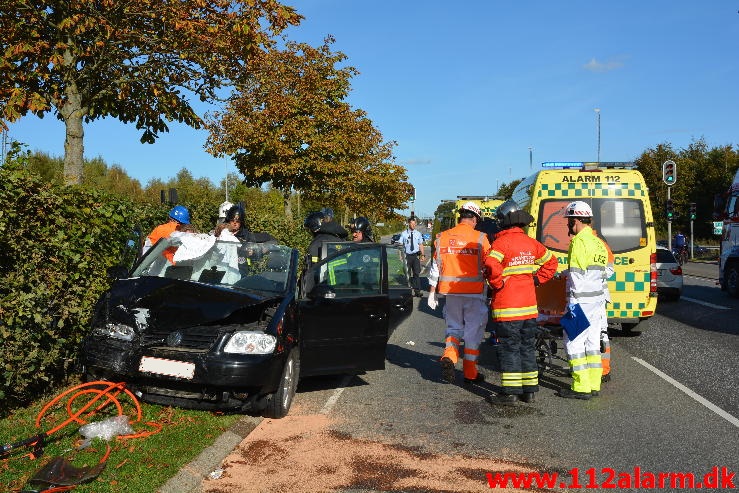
(414, 269)
(517, 356)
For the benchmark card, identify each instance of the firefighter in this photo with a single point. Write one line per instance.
(456, 272)
(315, 225)
(515, 266)
(330, 226)
(178, 215)
(361, 230)
(587, 262)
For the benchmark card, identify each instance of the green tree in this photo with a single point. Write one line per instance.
(290, 126)
(134, 60)
(505, 191)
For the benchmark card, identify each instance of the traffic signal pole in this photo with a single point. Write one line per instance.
(669, 223)
(669, 176)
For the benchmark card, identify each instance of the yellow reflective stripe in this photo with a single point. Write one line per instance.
(519, 269)
(516, 312)
(331, 269)
(544, 258)
(496, 255)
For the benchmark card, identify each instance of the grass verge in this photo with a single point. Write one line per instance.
(136, 464)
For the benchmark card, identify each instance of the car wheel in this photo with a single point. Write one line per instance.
(732, 279)
(279, 403)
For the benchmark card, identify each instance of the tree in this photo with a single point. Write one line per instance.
(289, 125)
(506, 189)
(134, 60)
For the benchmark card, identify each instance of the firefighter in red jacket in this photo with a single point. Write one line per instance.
(515, 265)
(457, 273)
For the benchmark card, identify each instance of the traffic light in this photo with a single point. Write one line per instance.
(692, 211)
(670, 210)
(669, 173)
(413, 194)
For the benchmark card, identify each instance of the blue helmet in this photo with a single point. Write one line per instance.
(180, 214)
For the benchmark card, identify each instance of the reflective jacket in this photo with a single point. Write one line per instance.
(610, 268)
(588, 260)
(514, 259)
(459, 254)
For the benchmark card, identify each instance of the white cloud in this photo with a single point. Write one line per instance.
(595, 66)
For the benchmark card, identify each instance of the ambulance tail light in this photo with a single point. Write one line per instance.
(653, 274)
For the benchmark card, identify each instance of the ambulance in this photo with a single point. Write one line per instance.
(487, 204)
(622, 216)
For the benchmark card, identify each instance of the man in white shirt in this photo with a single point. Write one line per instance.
(412, 241)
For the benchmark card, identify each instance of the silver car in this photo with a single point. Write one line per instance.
(669, 275)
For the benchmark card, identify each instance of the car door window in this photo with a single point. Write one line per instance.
(397, 268)
(352, 273)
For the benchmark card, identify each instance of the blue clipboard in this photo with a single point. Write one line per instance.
(574, 321)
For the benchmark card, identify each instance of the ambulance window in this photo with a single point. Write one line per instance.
(552, 225)
(621, 223)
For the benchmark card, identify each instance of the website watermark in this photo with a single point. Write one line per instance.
(608, 478)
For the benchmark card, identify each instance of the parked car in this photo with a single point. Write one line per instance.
(669, 275)
(230, 325)
(426, 236)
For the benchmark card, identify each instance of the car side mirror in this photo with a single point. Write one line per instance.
(322, 291)
(117, 272)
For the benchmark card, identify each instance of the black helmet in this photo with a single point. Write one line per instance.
(328, 213)
(489, 226)
(313, 221)
(362, 224)
(235, 213)
(503, 209)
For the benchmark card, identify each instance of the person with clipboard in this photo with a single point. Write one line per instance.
(587, 261)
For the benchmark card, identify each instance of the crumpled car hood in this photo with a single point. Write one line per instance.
(170, 304)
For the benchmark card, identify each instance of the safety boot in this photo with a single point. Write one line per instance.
(527, 397)
(605, 378)
(478, 379)
(505, 399)
(568, 393)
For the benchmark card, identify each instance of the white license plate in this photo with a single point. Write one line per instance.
(167, 367)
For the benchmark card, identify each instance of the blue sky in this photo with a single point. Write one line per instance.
(466, 88)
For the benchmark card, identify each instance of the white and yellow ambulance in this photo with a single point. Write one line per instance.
(622, 216)
(487, 204)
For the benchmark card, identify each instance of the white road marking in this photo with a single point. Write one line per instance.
(713, 407)
(705, 303)
(331, 402)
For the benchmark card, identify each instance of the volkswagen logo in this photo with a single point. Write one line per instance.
(174, 339)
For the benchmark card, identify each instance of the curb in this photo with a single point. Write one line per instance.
(189, 478)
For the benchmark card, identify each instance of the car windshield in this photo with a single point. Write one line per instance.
(232, 264)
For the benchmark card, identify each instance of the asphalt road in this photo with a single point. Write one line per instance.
(672, 406)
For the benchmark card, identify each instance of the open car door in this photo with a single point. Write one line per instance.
(345, 312)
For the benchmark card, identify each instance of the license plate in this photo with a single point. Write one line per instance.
(169, 367)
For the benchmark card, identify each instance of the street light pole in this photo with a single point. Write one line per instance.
(531, 158)
(597, 113)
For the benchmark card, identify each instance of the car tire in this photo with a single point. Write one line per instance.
(278, 404)
(731, 278)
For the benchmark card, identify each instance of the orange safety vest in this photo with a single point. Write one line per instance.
(459, 255)
(163, 231)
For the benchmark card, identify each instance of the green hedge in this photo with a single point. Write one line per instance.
(56, 244)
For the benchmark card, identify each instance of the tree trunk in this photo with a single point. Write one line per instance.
(74, 149)
(288, 207)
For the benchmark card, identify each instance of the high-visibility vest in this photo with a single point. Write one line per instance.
(163, 231)
(587, 259)
(459, 254)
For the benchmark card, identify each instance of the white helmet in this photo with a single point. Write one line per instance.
(578, 208)
(473, 208)
(223, 209)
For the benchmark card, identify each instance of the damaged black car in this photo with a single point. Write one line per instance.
(210, 324)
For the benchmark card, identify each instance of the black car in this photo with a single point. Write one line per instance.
(209, 324)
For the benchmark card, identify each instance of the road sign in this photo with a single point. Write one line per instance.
(718, 227)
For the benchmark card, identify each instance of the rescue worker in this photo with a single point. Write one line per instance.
(178, 215)
(605, 343)
(235, 223)
(332, 227)
(587, 259)
(515, 266)
(456, 272)
(361, 230)
(315, 225)
(222, 210)
(412, 241)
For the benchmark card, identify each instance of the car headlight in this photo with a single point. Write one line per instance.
(250, 342)
(115, 331)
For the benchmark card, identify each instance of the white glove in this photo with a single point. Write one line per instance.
(432, 301)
